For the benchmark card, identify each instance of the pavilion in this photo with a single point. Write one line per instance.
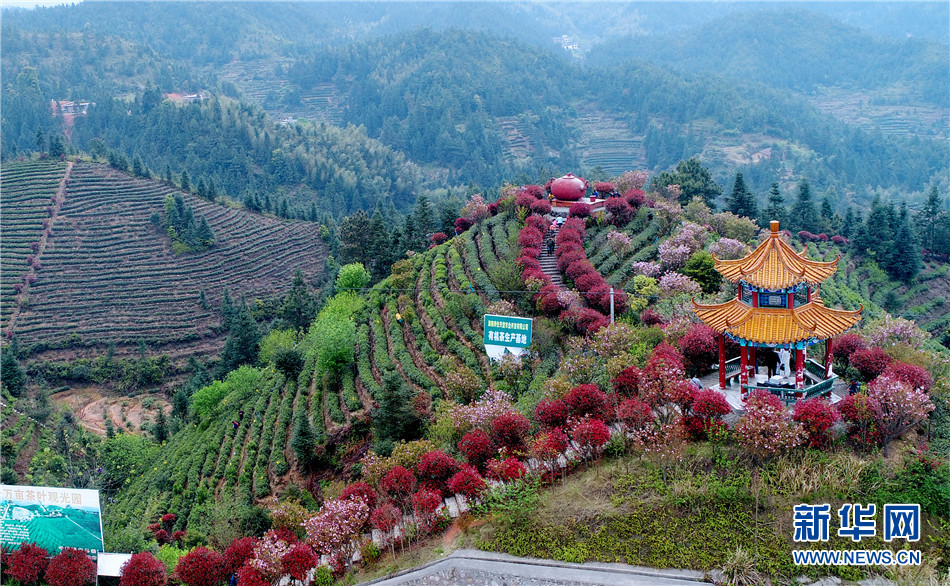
(777, 307)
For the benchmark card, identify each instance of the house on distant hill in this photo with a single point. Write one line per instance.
(66, 107)
(187, 98)
(765, 153)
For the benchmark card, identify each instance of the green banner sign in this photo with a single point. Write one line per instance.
(504, 330)
(50, 517)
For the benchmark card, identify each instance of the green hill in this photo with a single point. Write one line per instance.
(108, 275)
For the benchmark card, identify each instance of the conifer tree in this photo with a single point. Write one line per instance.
(354, 234)
(227, 309)
(167, 175)
(138, 167)
(423, 220)
(304, 441)
(11, 374)
(203, 233)
(202, 188)
(741, 201)
(298, 306)
(906, 259)
(828, 220)
(241, 345)
(180, 404)
(212, 190)
(803, 215)
(394, 419)
(847, 226)
(776, 208)
(380, 247)
(185, 181)
(929, 217)
(160, 430)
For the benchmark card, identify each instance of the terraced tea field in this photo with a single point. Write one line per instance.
(109, 276)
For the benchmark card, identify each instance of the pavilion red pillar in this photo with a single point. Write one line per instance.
(752, 369)
(799, 369)
(743, 367)
(722, 362)
(828, 357)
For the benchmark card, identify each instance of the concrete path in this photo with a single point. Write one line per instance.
(481, 568)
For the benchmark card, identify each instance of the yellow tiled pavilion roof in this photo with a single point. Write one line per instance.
(775, 265)
(770, 325)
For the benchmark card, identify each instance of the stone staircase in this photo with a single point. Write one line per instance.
(549, 265)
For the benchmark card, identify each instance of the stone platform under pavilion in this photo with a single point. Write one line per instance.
(734, 396)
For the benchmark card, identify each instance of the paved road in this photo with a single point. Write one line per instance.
(479, 568)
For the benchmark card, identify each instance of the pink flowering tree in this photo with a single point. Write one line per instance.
(631, 180)
(267, 555)
(672, 284)
(647, 269)
(335, 530)
(728, 249)
(688, 239)
(476, 209)
(766, 430)
(663, 443)
(618, 241)
(895, 330)
(899, 407)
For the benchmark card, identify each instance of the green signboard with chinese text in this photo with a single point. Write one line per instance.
(504, 330)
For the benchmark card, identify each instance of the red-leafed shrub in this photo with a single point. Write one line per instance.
(541, 206)
(619, 210)
(493, 209)
(468, 483)
(823, 237)
(142, 569)
(477, 447)
(547, 299)
(509, 430)
(579, 210)
(576, 224)
(700, 349)
(604, 187)
(627, 383)
(915, 376)
(435, 468)
(507, 470)
(525, 200)
(704, 413)
(425, 505)
(590, 435)
(28, 563)
(248, 575)
(385, 517)
(650, 317)
(599, 298)
(536, 222)
(71, 567)
(588, 282)
(584, 319)
(439, 238)
(462, 224)
(817, 416)
(588, 401)
(569, 235)
(238, 553)
(846, 345)
(570, 257)
(536, 274)
(635, 197)
(860, 412)
(285, 534)
(398, 484)
(578, 268)
(530, 236)
(839, 240)
(536, 190)
(870, 363)
(528, 262)
(201, 567)
(360, 490)
(551, 413)
(806, 236)
(634, 414)
(169, 518)
(299, 561)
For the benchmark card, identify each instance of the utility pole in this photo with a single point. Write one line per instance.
(611, 305)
